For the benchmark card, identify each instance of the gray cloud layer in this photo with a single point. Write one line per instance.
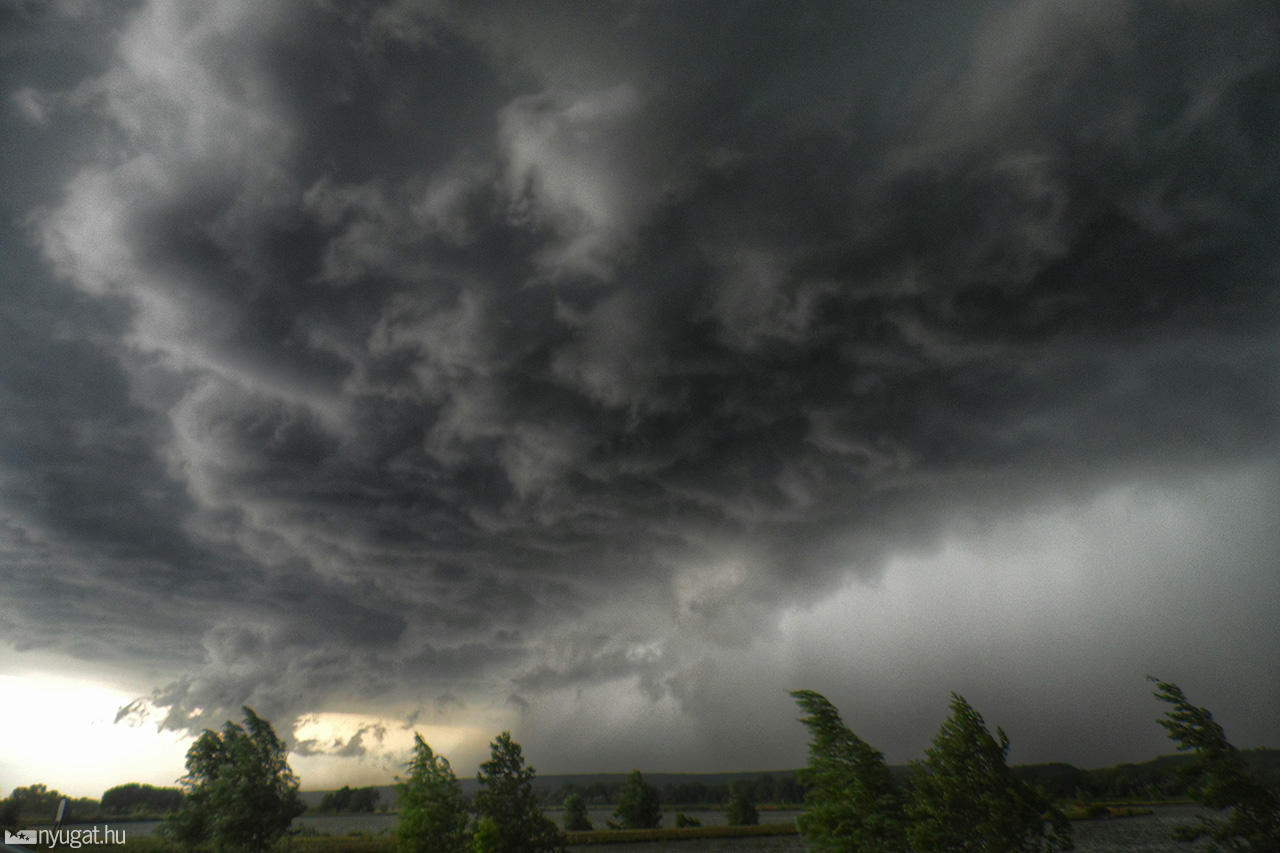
(413, 352)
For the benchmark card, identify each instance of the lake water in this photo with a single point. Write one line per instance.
(1146, 834)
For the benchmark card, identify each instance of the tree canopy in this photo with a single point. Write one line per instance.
(638, 805)
(507, 801)
(852, 802)
(348, 799)
(35, 800)
(8, 815)
(240, 791)
(1222, 779)
(433, 815)
(134, 797)
(741, 811)
(965, 797)
(575, 813)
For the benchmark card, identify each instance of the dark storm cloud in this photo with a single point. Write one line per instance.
(408, 352)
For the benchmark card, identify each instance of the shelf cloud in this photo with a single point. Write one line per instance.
(606, 366)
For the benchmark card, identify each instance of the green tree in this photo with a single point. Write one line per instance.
(35, 801)
(575, 813)
(788, 790)
(741, 812)
(348, 799)
(487, 838)
(764, 789)
(365, 799)
(133, 798)
(8, 815)
(852, 803)
(335, 801)
(506, 798)
(965, 798)
(638, 805)
(433, 816)
(240, 792)
(1221, 779)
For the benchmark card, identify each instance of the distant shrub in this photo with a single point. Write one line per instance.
(741, 812)
(638, 806)
(575, 814)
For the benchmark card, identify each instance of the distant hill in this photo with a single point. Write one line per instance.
(1156, 779)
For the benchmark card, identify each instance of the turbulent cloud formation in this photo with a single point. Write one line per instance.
(545, 360)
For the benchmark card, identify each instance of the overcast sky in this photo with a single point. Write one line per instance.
(604, 370)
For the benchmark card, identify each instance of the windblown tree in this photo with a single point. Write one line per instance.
(638, 805)
(433, 815)
(507, 806)
(240, 792)
(852, 802)
(965, 797)
(1221, 779)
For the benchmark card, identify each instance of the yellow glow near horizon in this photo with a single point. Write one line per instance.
(330, 726)
(61, 731)
(387, 745)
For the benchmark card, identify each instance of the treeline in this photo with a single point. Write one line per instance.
(140, 800)
(1163, 778)
(348, 799)
(781, 788)
(40, 802)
